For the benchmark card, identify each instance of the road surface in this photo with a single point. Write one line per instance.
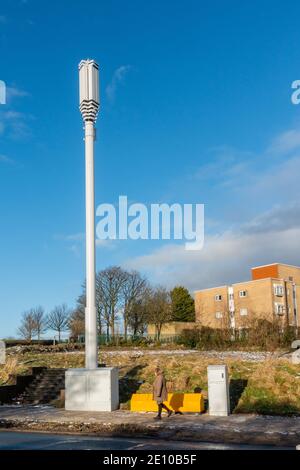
(10, 440)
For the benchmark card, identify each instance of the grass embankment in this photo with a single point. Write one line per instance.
(267, 387)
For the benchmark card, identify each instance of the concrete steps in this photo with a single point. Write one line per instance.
(45, 387)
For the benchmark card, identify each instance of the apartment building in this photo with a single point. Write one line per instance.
(273, 292)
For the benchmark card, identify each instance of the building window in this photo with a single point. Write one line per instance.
(279, 309)
(278, 290)
(219, 315)
(243, 312)
(243, 293)
(231, 296)
(218, 297)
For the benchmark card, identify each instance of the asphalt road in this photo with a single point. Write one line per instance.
(43, 441)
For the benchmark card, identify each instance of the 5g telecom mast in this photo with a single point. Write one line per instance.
(93, 388)
(89, 105)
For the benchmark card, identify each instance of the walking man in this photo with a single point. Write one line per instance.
(160, 393)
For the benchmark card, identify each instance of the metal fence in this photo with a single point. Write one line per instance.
(134, 339)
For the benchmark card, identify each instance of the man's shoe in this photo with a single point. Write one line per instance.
(157, 417)
(169, 413)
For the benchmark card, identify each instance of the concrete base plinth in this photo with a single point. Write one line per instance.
(92, 389)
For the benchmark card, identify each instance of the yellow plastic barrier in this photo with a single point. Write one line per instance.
(182, 402)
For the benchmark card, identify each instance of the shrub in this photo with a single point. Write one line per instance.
(269, 335)
(206, 338)
(260, 333)
(189, 338)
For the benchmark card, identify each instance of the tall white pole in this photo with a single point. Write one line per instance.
(90, 311)
(89, 105)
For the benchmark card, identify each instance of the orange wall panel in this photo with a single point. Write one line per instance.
(264, 272)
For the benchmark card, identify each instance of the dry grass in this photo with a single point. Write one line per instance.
(271, 386)
(10, 367)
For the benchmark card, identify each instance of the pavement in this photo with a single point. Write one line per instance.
(234, 429)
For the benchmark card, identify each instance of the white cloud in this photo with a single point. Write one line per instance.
(75, 249)
(225, 162)
(75, 242)
(279, 218)
(117, 78)
(14, 92)
(272, 235)
(270, 176)
(15, 124)
(225, 258)
(286, 142)
(5, 159)
(280, 181)
(109, 244)
(75, 236)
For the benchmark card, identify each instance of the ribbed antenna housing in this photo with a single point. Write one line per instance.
(89, 90)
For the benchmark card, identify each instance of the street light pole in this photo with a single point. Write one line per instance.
(89, 105)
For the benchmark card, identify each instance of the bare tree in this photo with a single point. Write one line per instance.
(77, 323)
(77, 317)
(134, 288)
(81, 304)
(38, 314)
(137, 318)
(27, 328)
(100, 306)
(59, 319)
(110, 282)
(117, 292)
(158, 308)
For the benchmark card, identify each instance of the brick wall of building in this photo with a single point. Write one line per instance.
(272, 294)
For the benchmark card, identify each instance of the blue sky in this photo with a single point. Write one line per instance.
(195, 107)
